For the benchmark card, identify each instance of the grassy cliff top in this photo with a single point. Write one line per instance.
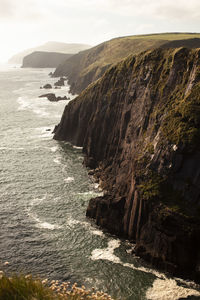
(87, 66)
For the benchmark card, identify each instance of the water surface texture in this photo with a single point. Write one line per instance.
(44, 192)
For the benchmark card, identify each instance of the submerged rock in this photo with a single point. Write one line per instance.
(139, 126)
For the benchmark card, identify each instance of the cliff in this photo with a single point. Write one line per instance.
(59, 47)
(87, 66)
(43, 59)
(139, 126)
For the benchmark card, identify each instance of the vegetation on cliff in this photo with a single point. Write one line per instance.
(20, 287)
(87, 66)
(139, 128)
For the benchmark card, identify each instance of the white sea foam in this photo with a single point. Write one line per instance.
(9, 148)
(92, 193)
(71, 222)
(32, 215)
(44, 225)
(23, 104)
(32, 104)
(97, 232)
(163, 288)
(107, 253)
(40, 111)
(168, 289)
(69, 179)
(36, 201)
(76, 147)
(54, 149)
(57, 160)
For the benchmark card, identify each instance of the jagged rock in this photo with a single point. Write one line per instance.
(139, 126)
(52, 97)
(47, 86)
(49, 96)
(60, 82)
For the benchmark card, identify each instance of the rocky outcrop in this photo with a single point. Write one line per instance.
(52, 97)
(41, 59)
(47, 86)
(88, 66)
(60, 82)
(139, 126)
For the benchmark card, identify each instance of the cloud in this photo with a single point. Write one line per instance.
(7, 8)
(19, 10)
(183, 9)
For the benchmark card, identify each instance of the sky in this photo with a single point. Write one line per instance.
(30, 23)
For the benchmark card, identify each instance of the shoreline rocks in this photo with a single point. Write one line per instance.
(52, 97)
(60, 82)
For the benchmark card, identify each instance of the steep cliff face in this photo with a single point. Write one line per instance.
(139, 126)
(42, 59)
(88, 66)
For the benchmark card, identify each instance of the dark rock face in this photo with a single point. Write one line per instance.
(139, 126)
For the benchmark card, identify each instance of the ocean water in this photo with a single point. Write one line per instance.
(44, 192)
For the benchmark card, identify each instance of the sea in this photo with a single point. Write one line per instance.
(44, 193)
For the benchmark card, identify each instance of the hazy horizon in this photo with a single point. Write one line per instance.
(31, 23)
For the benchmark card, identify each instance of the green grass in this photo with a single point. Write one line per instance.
(21, 287)
(167, 36)
(87, 66)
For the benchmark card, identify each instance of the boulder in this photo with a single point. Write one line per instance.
(50, 96)
(47, 86)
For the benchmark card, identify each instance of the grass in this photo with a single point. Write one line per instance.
(86, 67)
(167, 36)
(21, 287)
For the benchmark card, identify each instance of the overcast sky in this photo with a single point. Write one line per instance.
(29, 23)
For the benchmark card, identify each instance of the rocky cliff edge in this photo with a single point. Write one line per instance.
(139, 126)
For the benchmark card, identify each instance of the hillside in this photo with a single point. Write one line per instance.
(42, 59)
(87, 66)
(49, 47)
(139, 126)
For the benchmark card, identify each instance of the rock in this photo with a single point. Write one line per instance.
(50, 96)
(127, 133)
(60, 82)
(48, 129)
(47, 86)
(50, 74)
(55, 128)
